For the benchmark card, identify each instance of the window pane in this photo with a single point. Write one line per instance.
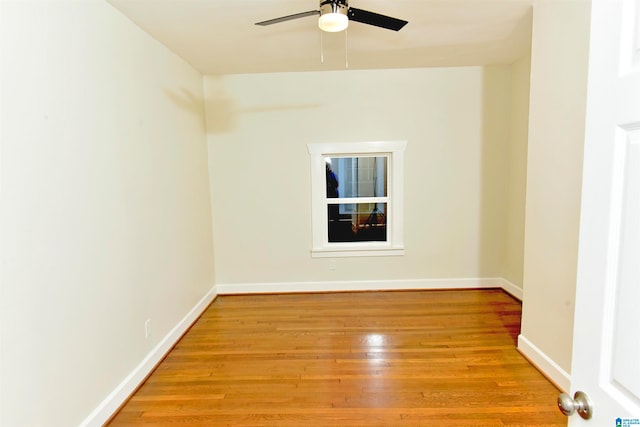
(357, 222)
(356, 176)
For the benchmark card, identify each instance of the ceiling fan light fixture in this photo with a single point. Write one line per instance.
(333, 16)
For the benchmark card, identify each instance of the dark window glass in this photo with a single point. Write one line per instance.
(364, 222)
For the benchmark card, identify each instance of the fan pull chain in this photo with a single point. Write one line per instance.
(346, 49)
(321, 47)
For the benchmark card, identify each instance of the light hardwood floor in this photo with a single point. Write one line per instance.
(415, 358)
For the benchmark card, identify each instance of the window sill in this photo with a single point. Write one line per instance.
(355, 252)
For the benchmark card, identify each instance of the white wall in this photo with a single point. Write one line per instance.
(517, 171)
(105, 205)
(455, 196)
(554, 174)
(505, 111)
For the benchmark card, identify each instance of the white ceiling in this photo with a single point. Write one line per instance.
(219, 36)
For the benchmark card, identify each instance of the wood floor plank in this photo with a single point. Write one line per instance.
(415, 358)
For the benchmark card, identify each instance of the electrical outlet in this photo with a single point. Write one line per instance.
(332, 265)
(147, 328)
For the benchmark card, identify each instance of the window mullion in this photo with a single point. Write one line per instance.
(352, 200)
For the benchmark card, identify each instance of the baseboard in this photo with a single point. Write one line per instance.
(511, 289)
(544, 364)
(358, 285)
(121, 393)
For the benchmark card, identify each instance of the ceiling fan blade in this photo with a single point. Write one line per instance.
(289, 17)
(371, 18)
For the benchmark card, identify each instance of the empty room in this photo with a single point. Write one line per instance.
(363, 213)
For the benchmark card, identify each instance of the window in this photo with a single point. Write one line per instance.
(357, 198)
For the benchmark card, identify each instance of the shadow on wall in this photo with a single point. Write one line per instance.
(222, 110)
(186, 101)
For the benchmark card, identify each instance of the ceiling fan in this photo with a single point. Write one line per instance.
(336, 14)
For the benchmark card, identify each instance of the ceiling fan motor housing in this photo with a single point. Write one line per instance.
(334, 6)
(333, 15)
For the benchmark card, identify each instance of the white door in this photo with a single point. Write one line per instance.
(606, 350)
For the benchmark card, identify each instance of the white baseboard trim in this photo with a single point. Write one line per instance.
(544, 364)
(511, 289)
(121, 393)
(358, 285)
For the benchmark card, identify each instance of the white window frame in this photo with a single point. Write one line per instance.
(321, 247)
